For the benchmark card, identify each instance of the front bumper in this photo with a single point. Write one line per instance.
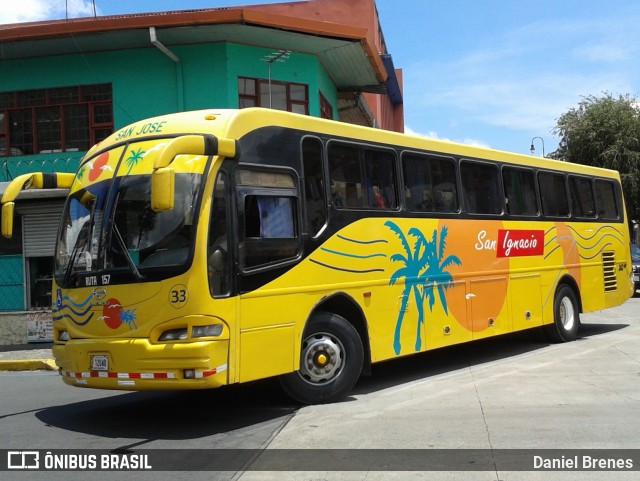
(136, 364)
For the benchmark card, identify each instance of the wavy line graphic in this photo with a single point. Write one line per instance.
(550, 241)
(595, 233)
(343, 269)
(77, 313)
(60, 305)
(583, 247)
(68, 316)
(599, 241)
(356, 256)
(552, 251)
(596, 254)
(350, 251)
(75, 304)
(356, 241)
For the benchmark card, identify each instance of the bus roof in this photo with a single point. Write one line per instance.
(235, 123)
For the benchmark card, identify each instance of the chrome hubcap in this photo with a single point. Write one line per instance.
(322, 358)
(567, 316)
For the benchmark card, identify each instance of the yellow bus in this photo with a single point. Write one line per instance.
(207, 248)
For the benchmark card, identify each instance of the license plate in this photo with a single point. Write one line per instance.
(100, 362)
(636, 278)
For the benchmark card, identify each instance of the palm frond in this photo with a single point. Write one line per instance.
(398, 232)
(443, 241)
(451, 259)
(398, 258)
(402, 272)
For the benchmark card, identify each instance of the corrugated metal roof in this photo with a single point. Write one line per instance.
(344, 51)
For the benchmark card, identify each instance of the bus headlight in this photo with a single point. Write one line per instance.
(63, 336)
(174, 335)
(206, 331)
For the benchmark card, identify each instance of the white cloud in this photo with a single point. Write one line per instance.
(35, 10)
(433, 135)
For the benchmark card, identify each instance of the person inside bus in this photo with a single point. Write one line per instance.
(444, 188)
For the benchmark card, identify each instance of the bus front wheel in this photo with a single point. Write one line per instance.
(331, 359)
(566, 316)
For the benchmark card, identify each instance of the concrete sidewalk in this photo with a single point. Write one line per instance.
(27, 357)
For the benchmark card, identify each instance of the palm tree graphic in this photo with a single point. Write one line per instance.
(424, 272)
(134, 158)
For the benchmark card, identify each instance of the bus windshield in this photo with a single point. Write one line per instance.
(110, 227)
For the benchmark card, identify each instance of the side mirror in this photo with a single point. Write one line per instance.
(162, 189)
(7, 219)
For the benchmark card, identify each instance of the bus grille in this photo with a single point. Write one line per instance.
(609, 267)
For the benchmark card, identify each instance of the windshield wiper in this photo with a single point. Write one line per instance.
(125, 252)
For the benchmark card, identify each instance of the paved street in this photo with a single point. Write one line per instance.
(514, 392)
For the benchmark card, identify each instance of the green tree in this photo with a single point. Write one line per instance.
(605, 132)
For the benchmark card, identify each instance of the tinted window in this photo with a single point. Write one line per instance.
(520, 191)
(430, 183)
(606, 198)
(316, 208)
(218, 252)
(582, 201)
(362, 178)
(553, 192)
(268, 227)
(481, 188)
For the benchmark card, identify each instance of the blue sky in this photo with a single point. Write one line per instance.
(494, 72)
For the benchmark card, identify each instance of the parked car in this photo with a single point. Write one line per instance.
(635, 257)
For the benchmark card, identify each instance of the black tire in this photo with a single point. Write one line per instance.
(331, 359)
(566, 316)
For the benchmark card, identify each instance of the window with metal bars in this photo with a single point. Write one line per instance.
(61, 119)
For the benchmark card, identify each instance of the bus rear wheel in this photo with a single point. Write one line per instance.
(566, 316)
(331, 359)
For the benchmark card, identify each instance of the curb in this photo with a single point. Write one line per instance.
(28, 365)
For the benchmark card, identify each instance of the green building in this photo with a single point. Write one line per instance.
(67, 84)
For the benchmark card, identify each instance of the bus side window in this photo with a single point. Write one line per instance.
(218, 261)
(520, 191)
(251, 217)
(275, 217)
(606, 199)
(268, 206)
(362, 177)
(430, 183)
(316, 207)
(553, 192)
(346, 178)
(443, 173)
(380, 179)
(582, 201)
(480, 185)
